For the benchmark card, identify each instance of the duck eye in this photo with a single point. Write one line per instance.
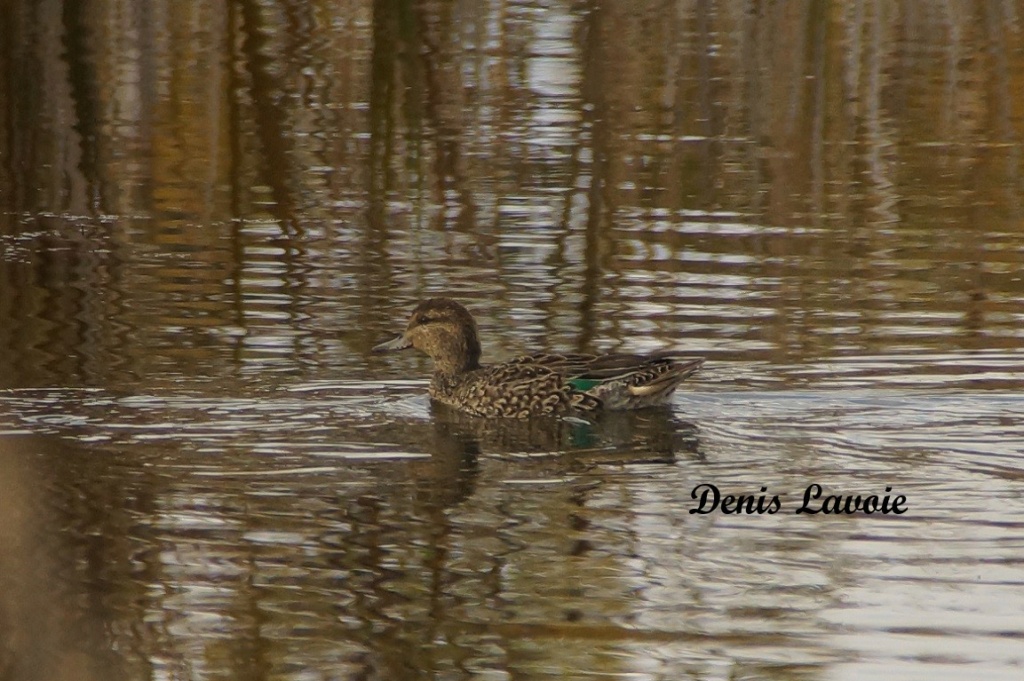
(424, 319)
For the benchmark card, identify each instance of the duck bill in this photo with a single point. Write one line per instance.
(399, 343)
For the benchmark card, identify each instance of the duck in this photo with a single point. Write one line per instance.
(534, 385)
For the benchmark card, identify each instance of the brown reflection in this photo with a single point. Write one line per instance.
(57, 316)
(780, 182)
(50, 629)
(417, 108)
(85, 99)
(654, 435)
(263, 46)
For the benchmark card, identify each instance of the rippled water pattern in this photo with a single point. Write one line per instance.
(210, 212)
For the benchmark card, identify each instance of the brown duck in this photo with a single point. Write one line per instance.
(542, 384)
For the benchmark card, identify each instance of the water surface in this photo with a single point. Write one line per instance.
(209, 214)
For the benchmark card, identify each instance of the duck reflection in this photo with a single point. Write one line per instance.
(654, 435)
(421, 561)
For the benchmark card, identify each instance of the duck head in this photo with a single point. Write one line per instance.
(445, 331)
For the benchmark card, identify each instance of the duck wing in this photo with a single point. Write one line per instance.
(521, 389)
(567, 365)
(617, 380)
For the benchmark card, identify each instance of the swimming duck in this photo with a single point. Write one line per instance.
(541, 384)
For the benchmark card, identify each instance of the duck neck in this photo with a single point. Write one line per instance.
(460, 356)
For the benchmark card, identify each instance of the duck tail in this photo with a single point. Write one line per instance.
(663, 375)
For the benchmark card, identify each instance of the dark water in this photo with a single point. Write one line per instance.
(209, 212)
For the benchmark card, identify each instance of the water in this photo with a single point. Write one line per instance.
(208, 216)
